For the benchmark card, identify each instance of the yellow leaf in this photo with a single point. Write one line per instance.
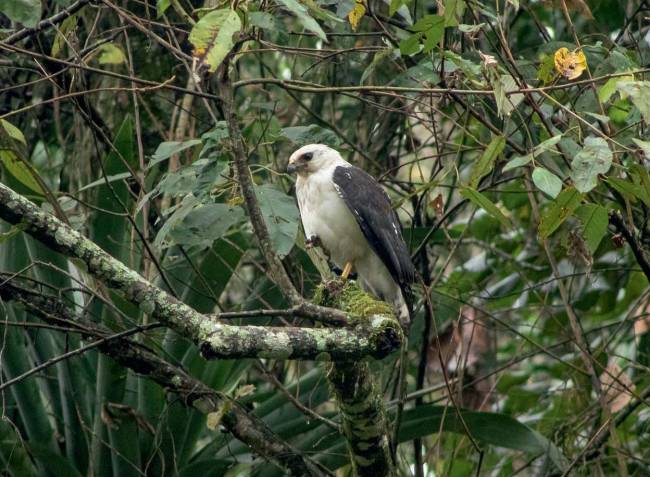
(356, 14)
(111, 54)
(570, 64)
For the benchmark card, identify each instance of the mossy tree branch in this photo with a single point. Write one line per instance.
(362, 410)
(192, 392)
(376, 337)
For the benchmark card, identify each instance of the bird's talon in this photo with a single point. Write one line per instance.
(346, 271)
(313, 241)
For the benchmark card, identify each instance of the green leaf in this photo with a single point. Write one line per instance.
(454, 9)
(110, 54)
(629, 190)
(644, 145)
(396, 5)
(21, 171)
(506, 104)
(103, 181)
(162, 6)
(13, 131)
(281, 216)
(167, 149)
(546, 72)
(59, 466)
(517, 161)
(640, 175)
(205, 224)
(559, 210)
(304, 17)
(432, 38)
(486, 163)
(428, 22)
(377, 60)
(266, 21)
(410, 45)
(486, 204)
(65, 31)
(312, 134)
(639, 91)
(544, 146)
(467, 28)
(25, 12)
(491, 428)
(548, 145)
(547, 182)
(594, 158)
(212, 36)
(594, 220)
(606, 91)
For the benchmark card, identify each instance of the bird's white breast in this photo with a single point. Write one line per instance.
(325, 214)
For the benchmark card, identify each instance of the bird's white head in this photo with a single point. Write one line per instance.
(313, 158)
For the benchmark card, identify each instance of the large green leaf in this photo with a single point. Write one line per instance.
(20, 170)
(167, 149)
(205, 224)
(559, 210)
(212, 36)
(486, 204)
(639, 91)
(491, 428)
(547, 182)
(312, 134)
(27, 12)
(281, 216)
(594, 220)
(594, 158)
(486, 163)
(304, 17)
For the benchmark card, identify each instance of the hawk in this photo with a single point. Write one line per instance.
(346, 212)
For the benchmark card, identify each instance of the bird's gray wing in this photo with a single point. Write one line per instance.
(372, 209)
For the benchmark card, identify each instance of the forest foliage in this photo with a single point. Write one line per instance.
(511, 136)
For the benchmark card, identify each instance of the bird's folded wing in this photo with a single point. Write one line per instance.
(372, 210)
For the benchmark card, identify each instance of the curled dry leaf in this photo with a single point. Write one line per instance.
(617, 387)
(570, 64)
(488, 60)
(438, 205)
(467, 351)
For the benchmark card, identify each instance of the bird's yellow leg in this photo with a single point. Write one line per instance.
(346, 270)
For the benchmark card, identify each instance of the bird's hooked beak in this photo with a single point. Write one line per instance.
(291, 168)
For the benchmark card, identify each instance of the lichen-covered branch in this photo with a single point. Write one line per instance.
(374, 337)
(192, 392)
(362, 409)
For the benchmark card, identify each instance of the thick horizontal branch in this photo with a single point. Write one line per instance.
(376, 336)
(192, 392)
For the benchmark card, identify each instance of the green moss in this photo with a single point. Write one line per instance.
(348, 297)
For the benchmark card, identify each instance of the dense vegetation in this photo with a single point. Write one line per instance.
(512, 138)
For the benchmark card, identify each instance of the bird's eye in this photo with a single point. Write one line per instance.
(307, 156)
